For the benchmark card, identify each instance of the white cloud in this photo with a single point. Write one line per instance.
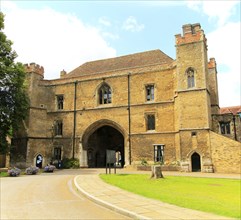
(104, 21)
(131, 24)
(53, 39)
(110, 35)
(161, 3)
(224, 45)
(215, 10)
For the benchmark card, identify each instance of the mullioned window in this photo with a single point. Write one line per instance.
(190, 77)
(105, 94)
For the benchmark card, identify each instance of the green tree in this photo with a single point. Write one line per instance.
(13, 98)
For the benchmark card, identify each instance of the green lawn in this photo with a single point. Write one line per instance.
(218, 196)
(3, 174)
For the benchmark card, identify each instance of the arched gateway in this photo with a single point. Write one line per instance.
(99, 137)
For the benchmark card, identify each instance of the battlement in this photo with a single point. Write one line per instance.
(34, 68)
(212, 63)
(191, 33)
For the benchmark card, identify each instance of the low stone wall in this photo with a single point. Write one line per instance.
(226, 154)
(3, 169)
(164, 168)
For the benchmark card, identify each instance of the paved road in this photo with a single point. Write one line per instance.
(48, 196)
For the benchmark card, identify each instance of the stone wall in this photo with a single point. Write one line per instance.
(226, 154)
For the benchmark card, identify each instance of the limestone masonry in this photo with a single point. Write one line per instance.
(146, 107)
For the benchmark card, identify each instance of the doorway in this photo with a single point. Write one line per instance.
(39, 161)
(196, 162)
(102, 139)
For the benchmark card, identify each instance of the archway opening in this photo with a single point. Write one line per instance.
(196, 162)
(39, 161)
(102, 139)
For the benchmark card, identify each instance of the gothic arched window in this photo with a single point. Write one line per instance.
(104, 93)
(190, 78)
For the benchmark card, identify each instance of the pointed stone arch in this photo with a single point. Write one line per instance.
(91, 128)
(195, 158)
(191, 77)
(100, 136)
(39, 160)
(104, 93)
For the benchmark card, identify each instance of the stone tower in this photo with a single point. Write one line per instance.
(192, 102)
(34, 126)
(34, 73)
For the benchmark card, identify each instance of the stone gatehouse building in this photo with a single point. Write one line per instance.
(134, 105)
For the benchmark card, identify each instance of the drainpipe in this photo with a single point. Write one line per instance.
(74, 122)
(129, 117)
(234, 128)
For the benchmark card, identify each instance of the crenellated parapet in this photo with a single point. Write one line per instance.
(34, 68)
(191, 33)
(212, 63)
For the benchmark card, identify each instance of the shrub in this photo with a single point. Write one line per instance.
(14, 172)
(70, 163)
(31, 170)
(144, 162)
(49, 168)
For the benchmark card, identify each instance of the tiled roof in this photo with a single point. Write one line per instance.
(233, 110)
(123, 62)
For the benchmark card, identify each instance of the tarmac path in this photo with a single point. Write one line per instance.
(48, 196)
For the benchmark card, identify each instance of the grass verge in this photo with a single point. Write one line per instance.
(3, 174)
(218, 196)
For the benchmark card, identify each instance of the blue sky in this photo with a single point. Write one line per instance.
(64, 34)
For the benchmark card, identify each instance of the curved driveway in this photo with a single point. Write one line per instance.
(48, 196)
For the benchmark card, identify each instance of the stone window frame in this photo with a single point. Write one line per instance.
(150, 125)
(158, 154)
(152, 95)
(58, 128)
(57, 153)
(191, 79)
(225, 127)
(60, 102)
(104, 94)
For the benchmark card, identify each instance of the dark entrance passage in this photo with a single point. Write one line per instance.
(39, 161)
(105, 137)
(196, 163)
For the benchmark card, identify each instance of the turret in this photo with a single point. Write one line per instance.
(35, 73)
(192, 77)
(34, 68)
(191, 33)
(191, 52)
(213, 85)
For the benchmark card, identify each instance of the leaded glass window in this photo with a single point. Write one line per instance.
(190, 78)
(105, 95)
